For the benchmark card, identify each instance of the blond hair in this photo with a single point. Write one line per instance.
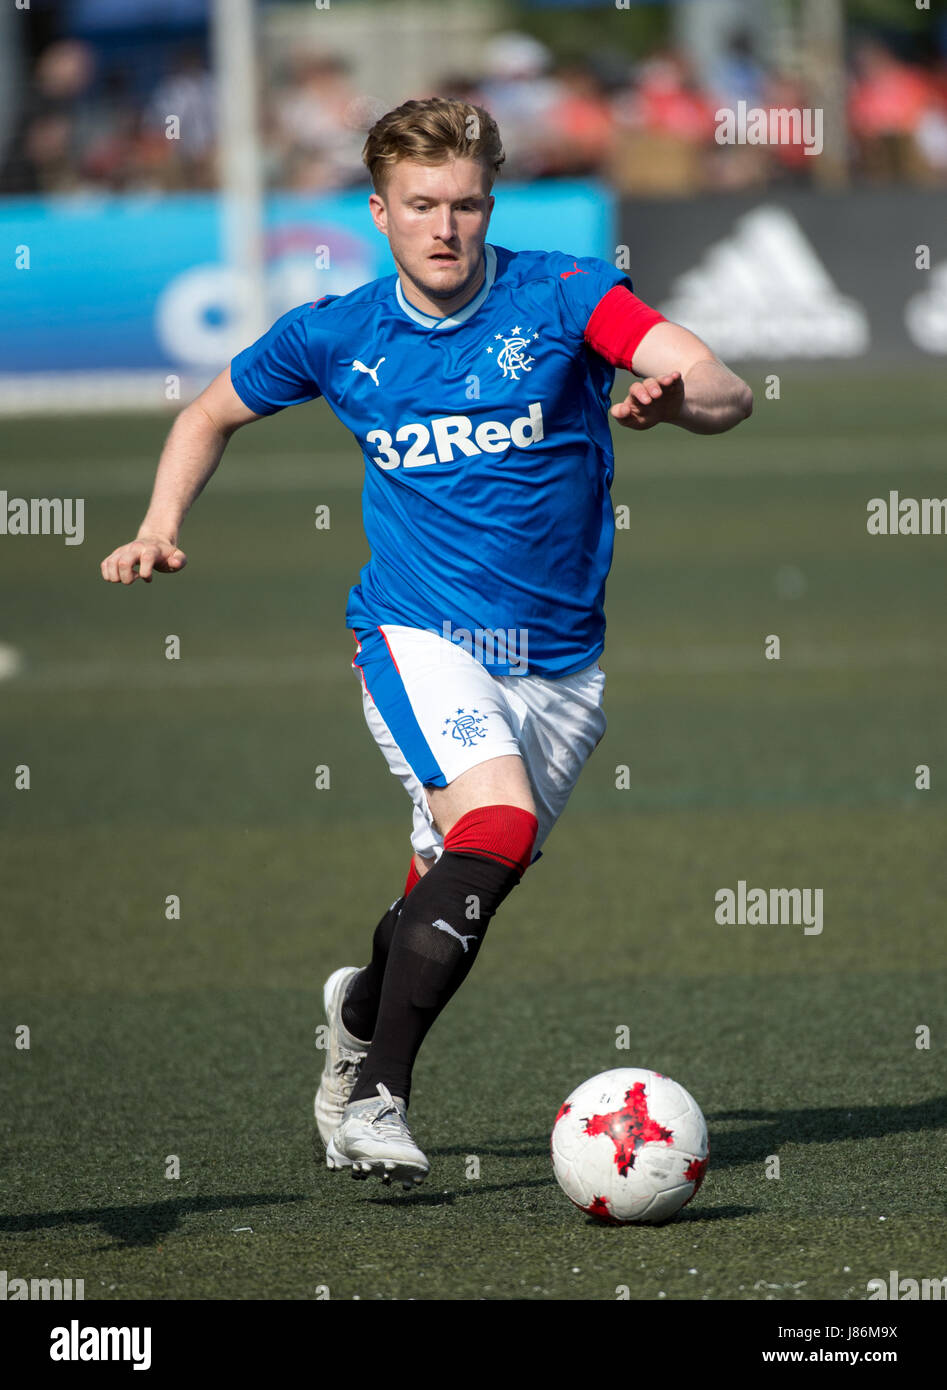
(429, 132)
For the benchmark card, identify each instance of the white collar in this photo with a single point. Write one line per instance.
(471, 307)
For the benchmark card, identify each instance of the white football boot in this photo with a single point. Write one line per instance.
(373, 1137)
(344, 1056)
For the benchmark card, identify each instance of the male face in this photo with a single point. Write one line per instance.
(435, 218)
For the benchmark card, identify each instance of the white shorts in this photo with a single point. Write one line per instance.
(435, 711)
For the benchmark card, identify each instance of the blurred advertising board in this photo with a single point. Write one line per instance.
(129, 285)
(785, 276)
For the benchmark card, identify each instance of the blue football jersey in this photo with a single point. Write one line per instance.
(488, 453)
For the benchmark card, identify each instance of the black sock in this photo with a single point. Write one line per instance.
(360, 1009)
(435, 942)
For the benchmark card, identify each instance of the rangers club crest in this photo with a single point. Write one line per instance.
(513, 356)
(467, 727)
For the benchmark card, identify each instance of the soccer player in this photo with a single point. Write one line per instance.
(476, 382)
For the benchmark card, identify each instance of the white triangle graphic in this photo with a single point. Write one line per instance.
(925, 314)
(763, 292)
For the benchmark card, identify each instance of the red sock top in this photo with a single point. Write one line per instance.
(503, 833)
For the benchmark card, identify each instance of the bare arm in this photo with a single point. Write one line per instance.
(685, 384)
(191, 453)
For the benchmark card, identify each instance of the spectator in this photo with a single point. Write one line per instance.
(786, 161)
(319, 125)
(887, 102)
(579, 128)
(57, 123)
(670, 102)
(182, 154)
(738, 75)
(520, 96)
(667, 130)
(931, 133)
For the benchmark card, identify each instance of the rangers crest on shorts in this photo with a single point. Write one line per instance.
(467, 727)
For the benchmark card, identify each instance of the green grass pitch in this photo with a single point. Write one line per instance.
(194, 1037)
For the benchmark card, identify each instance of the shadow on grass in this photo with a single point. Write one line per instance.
(770, 1129)
(415, 1198)
(529, 1147)
(690, 1214)
(773, 1128)
(144, 1225)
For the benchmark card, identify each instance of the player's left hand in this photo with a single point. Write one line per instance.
(650, 402)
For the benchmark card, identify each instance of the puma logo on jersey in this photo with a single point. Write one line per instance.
(358, 366)
(564, 274)
(446, 926)
(455, 434)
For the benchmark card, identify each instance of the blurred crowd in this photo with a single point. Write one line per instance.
(647, 128)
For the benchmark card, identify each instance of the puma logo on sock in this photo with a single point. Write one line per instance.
(446, 926)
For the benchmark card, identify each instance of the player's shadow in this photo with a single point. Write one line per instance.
(772, 1128)
(537, 1146)
(397, 1196)
(136, 1226)
(527, 1147)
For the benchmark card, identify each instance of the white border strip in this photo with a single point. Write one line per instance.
(76, 393)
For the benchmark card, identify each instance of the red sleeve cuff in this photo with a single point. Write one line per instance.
(619, 322)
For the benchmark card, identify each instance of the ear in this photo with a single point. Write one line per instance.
(379, 212)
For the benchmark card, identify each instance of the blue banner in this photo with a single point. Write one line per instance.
(136, 284)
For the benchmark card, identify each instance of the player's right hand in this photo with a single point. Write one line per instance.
(141, 559)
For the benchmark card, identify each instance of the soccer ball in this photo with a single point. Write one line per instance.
(629, 1145)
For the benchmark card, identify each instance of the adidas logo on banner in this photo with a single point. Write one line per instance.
(925, 314)
(763, 292)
